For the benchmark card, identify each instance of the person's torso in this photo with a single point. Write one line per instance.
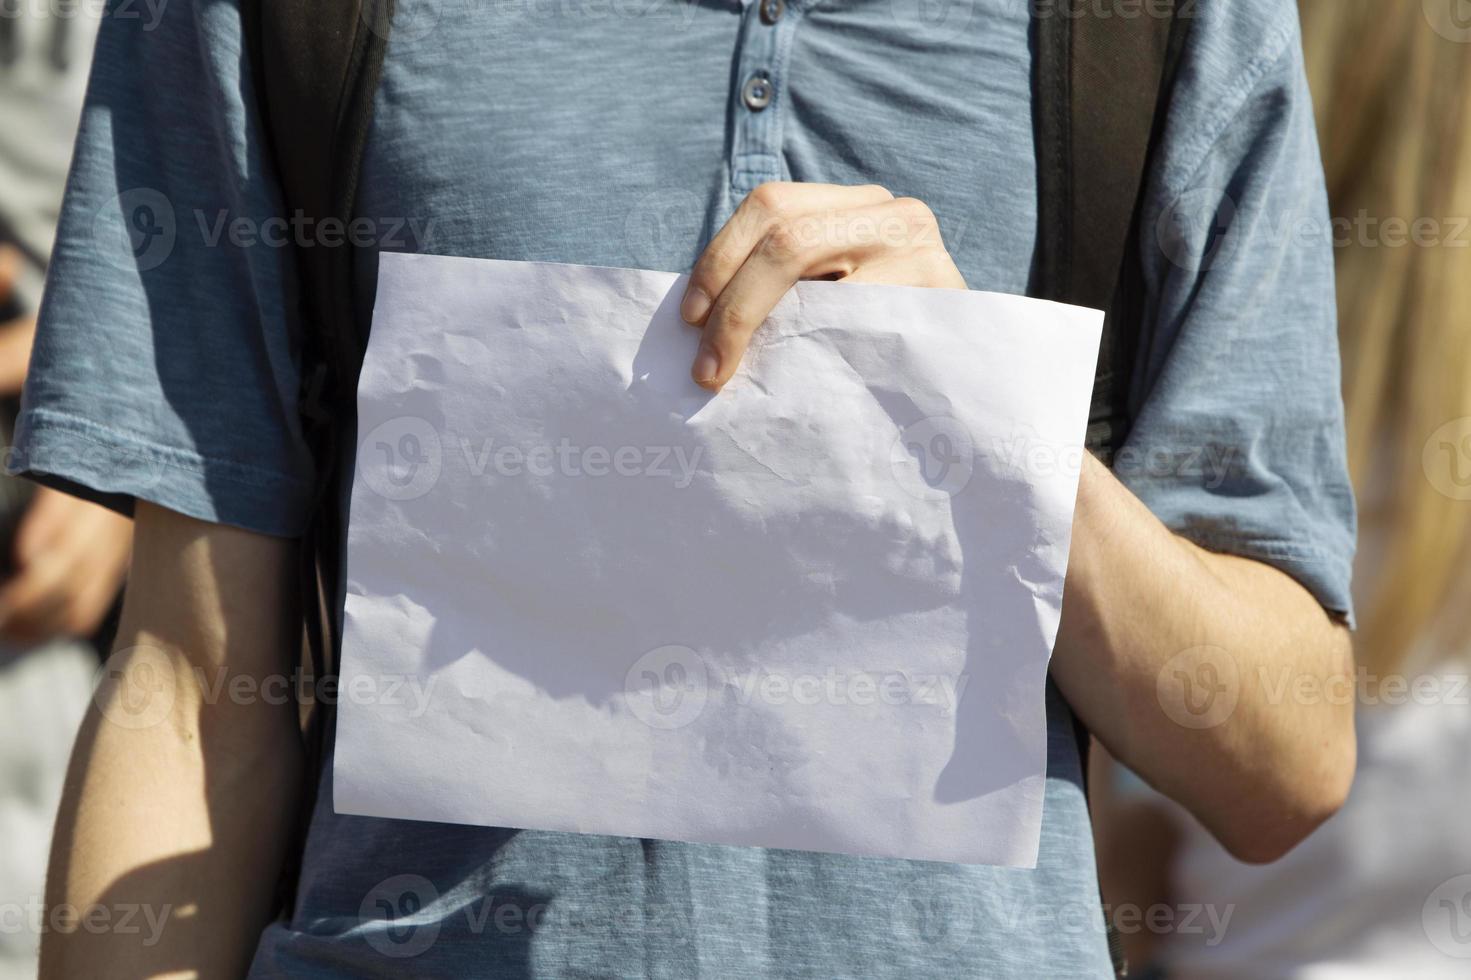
(625, 134)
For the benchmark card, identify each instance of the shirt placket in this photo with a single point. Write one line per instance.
(760, 92)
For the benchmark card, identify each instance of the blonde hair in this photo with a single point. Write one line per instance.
(1393, 97)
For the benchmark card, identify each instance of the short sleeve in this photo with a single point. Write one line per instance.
(165, 367)
(1238, 440)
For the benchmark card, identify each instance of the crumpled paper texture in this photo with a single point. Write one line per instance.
(813, 611)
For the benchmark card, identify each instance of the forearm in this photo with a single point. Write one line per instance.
(1150, 620)
(181, 795)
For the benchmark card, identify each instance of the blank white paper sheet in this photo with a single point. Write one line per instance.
(813, 611)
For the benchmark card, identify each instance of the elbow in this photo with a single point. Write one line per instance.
(1294, 802)
(1300, 777)
(1272, 839)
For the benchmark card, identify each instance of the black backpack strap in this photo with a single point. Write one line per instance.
(1101, 91)
(1101, 87)
(316, 65)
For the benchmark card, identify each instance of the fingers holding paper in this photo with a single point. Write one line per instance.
(786, 232)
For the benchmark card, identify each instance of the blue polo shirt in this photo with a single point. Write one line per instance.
(624, 133)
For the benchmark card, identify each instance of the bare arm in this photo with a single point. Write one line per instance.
(1219, 680)
(181, 797)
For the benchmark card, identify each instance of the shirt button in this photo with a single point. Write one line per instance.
(771, 10)
(757, 92)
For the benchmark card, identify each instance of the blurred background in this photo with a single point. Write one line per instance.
(1383, 890)
(62, 561)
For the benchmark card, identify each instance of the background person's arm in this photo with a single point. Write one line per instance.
(179, 803)
(1138, 840)
(17, 328)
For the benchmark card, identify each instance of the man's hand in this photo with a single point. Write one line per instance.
(70, 558)
(782, 233)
